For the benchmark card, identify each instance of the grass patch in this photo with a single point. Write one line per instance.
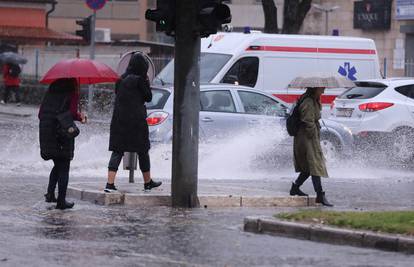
(396, 222)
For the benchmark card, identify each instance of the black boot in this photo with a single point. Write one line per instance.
(151, 184)
(50, 197)
(321, 199)
(62, 205)
(295, 191)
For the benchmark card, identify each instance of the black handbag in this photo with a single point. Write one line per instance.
(66, 124)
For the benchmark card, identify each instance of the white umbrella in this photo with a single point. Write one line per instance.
(327, 80)
(123, 64)
(11, 57)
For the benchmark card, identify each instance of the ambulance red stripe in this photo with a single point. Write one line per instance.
(311, 50)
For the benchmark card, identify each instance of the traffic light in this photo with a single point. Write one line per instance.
(163, 16)
(85, 33)
(212, 14)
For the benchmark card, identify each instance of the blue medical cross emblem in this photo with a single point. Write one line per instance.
(348, 71)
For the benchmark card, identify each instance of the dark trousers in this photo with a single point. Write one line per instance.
(116, 157)
(59, 175)
(8, 89)
(316, 181)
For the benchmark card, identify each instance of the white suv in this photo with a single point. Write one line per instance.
(380, 112)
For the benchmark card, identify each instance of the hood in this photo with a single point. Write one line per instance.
(138, 65)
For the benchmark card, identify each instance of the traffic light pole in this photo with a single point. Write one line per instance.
(186, 106)
(91, 56)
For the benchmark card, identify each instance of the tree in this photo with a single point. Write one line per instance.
(294, 13)
(270, 15)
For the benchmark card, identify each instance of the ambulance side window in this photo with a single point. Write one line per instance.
(243, 72)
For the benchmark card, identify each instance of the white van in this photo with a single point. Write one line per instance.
(269, 62)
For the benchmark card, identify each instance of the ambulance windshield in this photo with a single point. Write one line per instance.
(210, 65)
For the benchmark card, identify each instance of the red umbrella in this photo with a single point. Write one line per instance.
(86, 71)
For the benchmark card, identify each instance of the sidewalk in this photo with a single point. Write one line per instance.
(229, 194)
(22, 111)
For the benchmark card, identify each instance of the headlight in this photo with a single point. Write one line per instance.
(348, 130)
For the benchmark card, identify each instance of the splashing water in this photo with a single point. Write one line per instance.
(251, 155)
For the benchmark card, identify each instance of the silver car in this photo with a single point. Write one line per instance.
(228, 110)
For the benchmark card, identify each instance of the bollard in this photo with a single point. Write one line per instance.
(130, 163)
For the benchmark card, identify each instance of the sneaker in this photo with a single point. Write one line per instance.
(18, 104)
(151, 184)
(110, 188)
(2, 102)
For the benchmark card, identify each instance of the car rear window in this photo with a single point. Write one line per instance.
(159, 98)
(363, 90)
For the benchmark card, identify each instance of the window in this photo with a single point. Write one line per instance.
(217, 101)
(407, 90)
(243, 72)
(210, 65)
(363, 90)
(159, 98)
(255, 103)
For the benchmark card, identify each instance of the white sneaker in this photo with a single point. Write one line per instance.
(2, 102)
(18, 104)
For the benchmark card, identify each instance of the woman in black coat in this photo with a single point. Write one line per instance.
(61, 96)
(129, 128)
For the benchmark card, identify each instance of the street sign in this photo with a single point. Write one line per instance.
(95, 4)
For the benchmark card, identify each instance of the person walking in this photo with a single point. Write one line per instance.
(129, 128)
(308, 157)
(61, 96)
(11, 72)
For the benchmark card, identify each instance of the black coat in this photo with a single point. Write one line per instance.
(129, 128)
(52, 144)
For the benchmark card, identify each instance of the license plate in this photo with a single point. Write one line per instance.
(344, 112)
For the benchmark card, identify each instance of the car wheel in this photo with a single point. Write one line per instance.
(330, 148)
(402, 145)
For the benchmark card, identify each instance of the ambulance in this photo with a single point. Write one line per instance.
(268, 62)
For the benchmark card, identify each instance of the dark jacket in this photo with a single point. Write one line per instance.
(308, 156)
(57, 99)
(129, 128)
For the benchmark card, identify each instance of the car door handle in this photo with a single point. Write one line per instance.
(207, 119)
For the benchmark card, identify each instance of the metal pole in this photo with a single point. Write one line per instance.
(37, 63)
(186, 107)
(326, 21)
(91, 56)
(385, 67)
(132, 159)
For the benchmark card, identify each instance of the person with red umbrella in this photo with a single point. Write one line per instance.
(62, 96)
(129, 129)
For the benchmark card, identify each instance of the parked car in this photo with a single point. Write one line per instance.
(380, 113)
(227, 110)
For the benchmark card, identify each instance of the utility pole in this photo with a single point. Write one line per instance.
(186, 106)
(91, 56)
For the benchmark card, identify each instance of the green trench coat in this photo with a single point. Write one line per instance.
(307, 150)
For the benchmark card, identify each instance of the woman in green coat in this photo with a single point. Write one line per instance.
(309, 159)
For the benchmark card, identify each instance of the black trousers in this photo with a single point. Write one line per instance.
(316, 181)
(59, 175)
(116, 157)
(8, 89)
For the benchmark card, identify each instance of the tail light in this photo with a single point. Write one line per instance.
(375, 106)
(156, 118)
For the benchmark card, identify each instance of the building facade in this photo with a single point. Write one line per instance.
(122, 19)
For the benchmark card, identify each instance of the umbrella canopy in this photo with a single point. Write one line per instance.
(11, 57)
(123, 64)
(327, 80)
(86, 71)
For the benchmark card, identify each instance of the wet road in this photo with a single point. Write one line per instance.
(32, 233)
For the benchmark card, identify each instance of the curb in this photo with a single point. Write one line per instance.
(152, 199)
(327, 234)
(15, 114)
